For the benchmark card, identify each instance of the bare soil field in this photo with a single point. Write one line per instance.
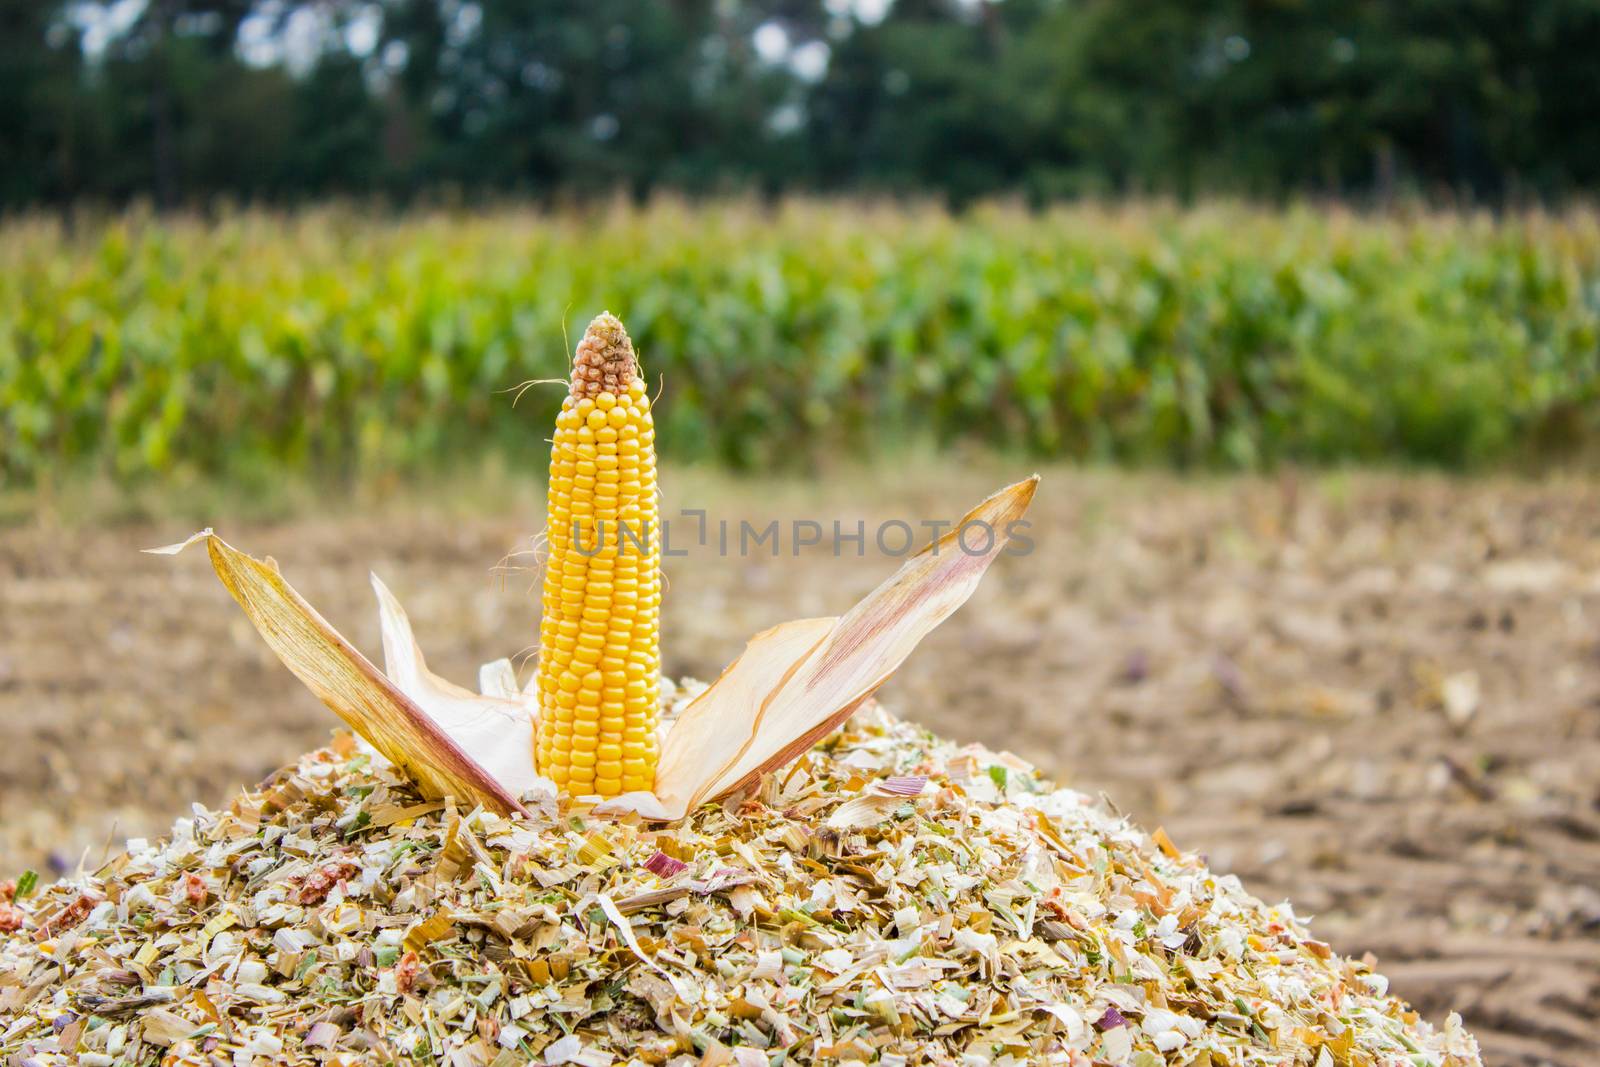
(1377, 696)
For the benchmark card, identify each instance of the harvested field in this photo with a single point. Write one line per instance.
(1376, 696)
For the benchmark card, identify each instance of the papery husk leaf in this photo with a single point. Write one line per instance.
(348, 683)
(499, 679)
(495, 731)
(701, 743)
(781, 697)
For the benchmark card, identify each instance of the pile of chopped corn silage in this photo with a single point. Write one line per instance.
(892, 898)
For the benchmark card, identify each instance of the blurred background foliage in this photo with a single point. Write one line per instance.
(335, 340)
(184, 100)
(267, 234)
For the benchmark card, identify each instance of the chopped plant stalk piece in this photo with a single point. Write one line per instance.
(599, 679)
(664, 865)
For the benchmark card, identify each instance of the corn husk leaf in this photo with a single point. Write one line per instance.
(796, 682)
(699, 743)
(494, 729)
(499, 679)
(374, 706)
(792, 685)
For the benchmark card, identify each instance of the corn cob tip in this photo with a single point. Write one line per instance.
(605, 361)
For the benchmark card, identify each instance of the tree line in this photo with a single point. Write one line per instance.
(182, 101)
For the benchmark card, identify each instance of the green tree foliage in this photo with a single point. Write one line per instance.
(963, 98)
(42, 100)
(588, 95)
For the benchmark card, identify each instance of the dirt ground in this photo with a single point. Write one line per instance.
(1377, 696)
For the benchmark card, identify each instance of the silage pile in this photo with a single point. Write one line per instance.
(891, 898)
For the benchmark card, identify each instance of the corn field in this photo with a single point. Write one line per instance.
(348, 342)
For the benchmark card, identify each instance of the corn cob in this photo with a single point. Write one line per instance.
(599, 640)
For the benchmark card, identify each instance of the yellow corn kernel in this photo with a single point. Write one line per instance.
(599, 642)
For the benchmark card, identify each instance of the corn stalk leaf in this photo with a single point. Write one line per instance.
(372, 705)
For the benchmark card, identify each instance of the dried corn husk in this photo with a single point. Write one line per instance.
(495, 728)
(428, 746)
(806, 697)
(794, 683)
